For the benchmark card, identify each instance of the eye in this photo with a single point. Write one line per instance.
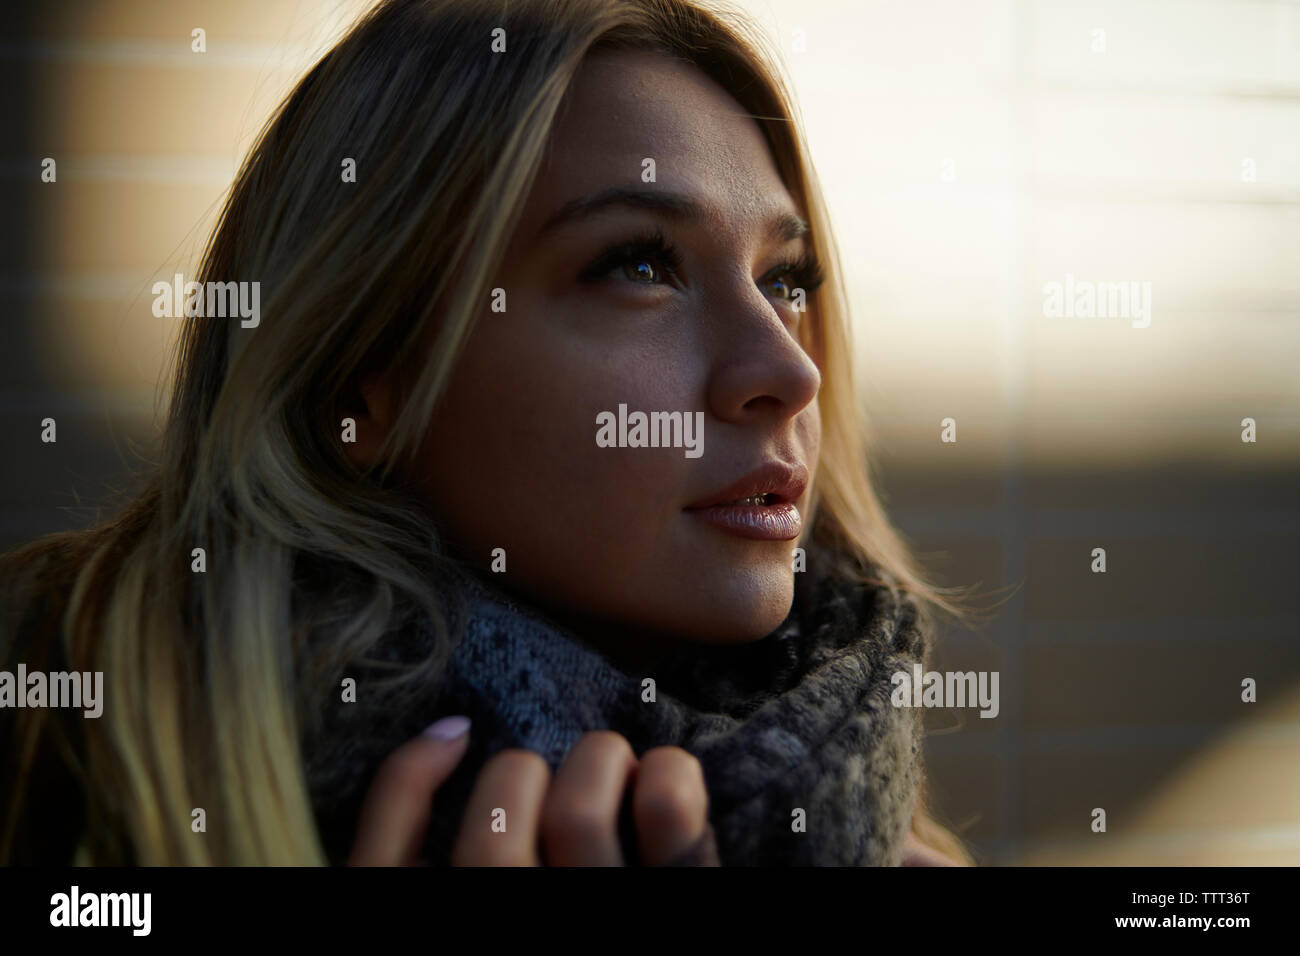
(642, 270)
(643, 260)
(804, 273)
(786, 285)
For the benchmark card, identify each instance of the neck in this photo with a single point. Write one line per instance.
(631, 649)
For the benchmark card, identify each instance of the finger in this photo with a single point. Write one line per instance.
(501, 818)
(703, 852)
(916, 853)
(670, 806)
(580, 814)
(397, 808)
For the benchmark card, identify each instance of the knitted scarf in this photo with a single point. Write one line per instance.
(800, 720)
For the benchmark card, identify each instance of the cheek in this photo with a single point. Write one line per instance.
(511, 461)
(811, 435)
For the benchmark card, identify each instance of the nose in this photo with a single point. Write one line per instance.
(759, 368)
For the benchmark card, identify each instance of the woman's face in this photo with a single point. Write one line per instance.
(605, 536)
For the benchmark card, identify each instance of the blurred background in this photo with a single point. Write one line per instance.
(972, 151)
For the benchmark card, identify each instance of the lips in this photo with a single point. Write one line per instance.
(777, 482)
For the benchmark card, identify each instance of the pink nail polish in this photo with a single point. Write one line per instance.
(449, 728)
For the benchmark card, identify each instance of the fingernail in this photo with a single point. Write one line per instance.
(449, 728)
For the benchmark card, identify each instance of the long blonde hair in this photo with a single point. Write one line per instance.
(215, 682)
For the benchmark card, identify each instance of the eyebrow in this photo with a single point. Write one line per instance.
(785, 226)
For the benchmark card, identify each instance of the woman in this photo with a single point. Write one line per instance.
(483, 235)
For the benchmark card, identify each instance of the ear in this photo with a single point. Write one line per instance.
(371, 407)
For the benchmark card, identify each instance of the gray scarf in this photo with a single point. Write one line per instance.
(800, 720)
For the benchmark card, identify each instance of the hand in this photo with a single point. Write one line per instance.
(916, 853)
(571, 820)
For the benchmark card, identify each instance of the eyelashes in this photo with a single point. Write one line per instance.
(643, 246)
(803, 272)
(806, 270)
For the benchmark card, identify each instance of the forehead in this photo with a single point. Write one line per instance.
(626, 107)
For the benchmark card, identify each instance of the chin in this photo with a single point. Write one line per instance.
(737, 607)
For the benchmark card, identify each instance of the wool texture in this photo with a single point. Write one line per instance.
(806, 761)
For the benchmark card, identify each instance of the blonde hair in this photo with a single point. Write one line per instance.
(215, 682)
